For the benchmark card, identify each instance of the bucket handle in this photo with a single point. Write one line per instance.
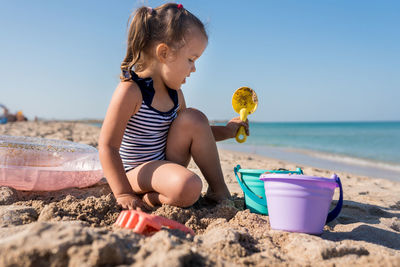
(258, 199)
(335, 212)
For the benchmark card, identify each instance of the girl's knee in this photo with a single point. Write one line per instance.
(192, 117)
(187, 190)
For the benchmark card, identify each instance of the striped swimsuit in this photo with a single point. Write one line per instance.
(146, 133)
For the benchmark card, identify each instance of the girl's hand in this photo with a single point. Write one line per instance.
(234, 124)
(131, 202)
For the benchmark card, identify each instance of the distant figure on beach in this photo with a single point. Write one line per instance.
(149, 135)
(19, 116)
(6, 116)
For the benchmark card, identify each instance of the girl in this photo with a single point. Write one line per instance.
(149, 136)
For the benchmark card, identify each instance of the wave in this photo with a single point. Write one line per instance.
(328, 161)
(348, 159)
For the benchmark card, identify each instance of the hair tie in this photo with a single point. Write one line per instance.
(150, 10)
(180, 6)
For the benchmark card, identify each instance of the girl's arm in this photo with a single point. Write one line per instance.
(124, 103)
(230, 129)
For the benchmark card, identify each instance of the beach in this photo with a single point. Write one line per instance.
(74, 227)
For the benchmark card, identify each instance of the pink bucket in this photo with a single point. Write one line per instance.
(300, 203)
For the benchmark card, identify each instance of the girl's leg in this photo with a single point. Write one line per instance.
(169, 183)
(190, 135)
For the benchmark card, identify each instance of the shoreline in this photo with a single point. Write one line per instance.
(340, 163)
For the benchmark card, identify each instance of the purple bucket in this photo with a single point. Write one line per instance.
(300, 203)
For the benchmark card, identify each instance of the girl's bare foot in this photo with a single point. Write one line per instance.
(217, 196)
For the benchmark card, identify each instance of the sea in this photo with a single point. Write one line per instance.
(364, 148)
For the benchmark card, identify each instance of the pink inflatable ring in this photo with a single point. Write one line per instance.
(38, 164)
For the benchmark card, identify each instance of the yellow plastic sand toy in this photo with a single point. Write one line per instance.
(244, 102)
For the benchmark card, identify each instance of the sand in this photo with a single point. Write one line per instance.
(74, 227)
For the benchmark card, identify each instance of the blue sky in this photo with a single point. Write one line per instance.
(306, 60)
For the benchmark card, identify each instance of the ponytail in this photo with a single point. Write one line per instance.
(138, 40)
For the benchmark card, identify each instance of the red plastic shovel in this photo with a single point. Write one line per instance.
(147, 224)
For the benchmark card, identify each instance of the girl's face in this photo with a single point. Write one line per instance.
(181, 63)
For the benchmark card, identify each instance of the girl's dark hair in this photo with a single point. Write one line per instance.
(165, 24)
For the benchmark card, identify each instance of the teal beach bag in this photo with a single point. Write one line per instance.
(253, 187)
